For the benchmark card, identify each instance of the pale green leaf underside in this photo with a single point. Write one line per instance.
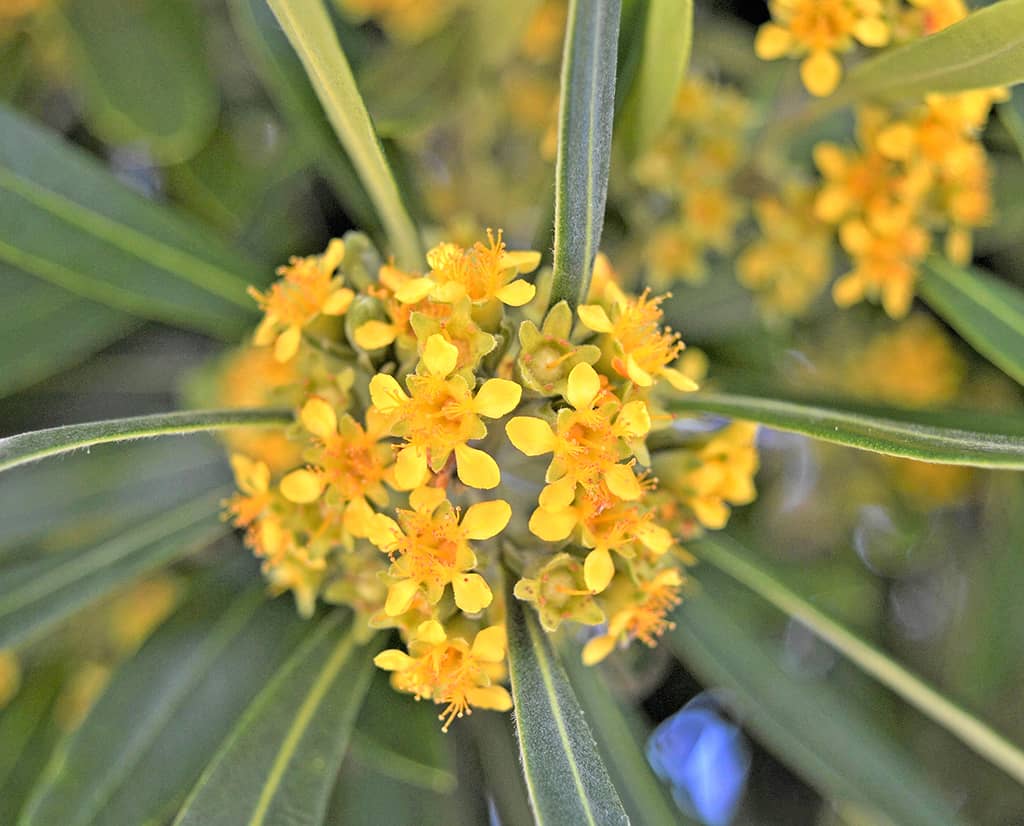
(39, 444)
(744, 566)
(280, 763)
(142, 69)
(567, 781)
(946, 438)
(168, 708)
(67, 220)
(584, 143)
(987, 312)
(816, 730)
(38, 594)
(312, 34)
(668, 37)
(985, 49)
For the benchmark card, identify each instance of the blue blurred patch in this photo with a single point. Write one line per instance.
(704, 758)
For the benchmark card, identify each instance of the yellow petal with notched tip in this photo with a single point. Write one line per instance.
(302, 487)
(392, 660)
(374, 334)
(497, 397)
(319, 418)
(598, 570)
(490, 644)
(400, 597)
(439, 356)
(584, 385)
(287, 344)
(476, 468)
(486, 519)
(623, 483)
(552, 526)
(410, 468)
(530, 435)
(635, 418)
(558, 495)
(517, 293)
(431, 631)
(386, 394)
(414, 290)
(595, 318)
(472, 593)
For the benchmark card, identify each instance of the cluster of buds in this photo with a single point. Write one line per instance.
(423, 399)
(915, 173)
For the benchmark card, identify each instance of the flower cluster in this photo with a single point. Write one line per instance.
(422, 399)
(915, 173)
(405, 20)
(687, 182)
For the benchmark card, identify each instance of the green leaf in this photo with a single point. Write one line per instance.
(495, 745)
(668, 37)
(281, 72)
(38, 444)
(56, 505)
(819, 732)
(987, 312)
(1011, 117)
(67, 220)
(142, 70)
(166, 710)
(32, 310)
(743, 566)
(585, 117)
(984, 49)
(617, 727)
(312, 34)
(567, 781)
(29, 732)
(38, 594)
(954, 438)
(416, 752)
(279, 764)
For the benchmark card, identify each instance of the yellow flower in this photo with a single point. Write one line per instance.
(430, 548)
(440, 415)
(643, 615)
(483, 273)
(406, 20)
(720, 473)
(296, 571)
(560, 592)
(255, 496)
(816, 30)
(450, 671)
(711, 213)
(644, 350)
(307, 289)
(589, 440)
(789, 265)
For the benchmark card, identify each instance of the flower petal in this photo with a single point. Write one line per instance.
(374, 334)
(530, 435)
(595, 318)
(584, 385)
(386, 393)
(497, 397)
(439, 356)
(598, 569)
(287, 344)
(476, 468)
(400, 597)
(392, 660)
(411, 467)
(302, 486)
(472, 593)
(486, 519)
(517, 293)
(490, 643)
(492, 697)
(552, 526)
(319, 418)
(623, 483)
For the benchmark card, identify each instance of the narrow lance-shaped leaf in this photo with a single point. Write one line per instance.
(987, 312)
(984, 49)
(38, 444)
(282, 74)
(142, 70)
(67, 220)
(952, 438)
(167, 709)
(616, 725)
(36, 595)
(312, 34)
(668, 36)
(567, 781)
(740, 564)
(281, 760)
(816, 730)
(32, 310)
(584, 143)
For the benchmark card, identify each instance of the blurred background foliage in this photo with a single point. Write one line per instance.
(203, 109)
